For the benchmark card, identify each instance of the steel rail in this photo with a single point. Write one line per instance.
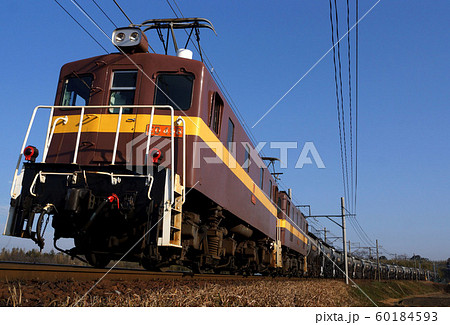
(10, 271)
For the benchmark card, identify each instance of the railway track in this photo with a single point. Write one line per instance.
(10, 271)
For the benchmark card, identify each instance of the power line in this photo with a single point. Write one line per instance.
(93, 38)
(356, 104)
(358, 232)
(120, 8)
(337, 96)
(174, 1)
(350, 104)
(342, 97)
(218, 80)
(173, 10)
(104, 13)
(84, 11)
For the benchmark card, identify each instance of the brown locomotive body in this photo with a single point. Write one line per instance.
(144, 155)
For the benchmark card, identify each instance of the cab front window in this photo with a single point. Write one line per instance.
(123, 89)
(174, 90)
(77, 91)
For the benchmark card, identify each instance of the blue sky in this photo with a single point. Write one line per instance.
(261, 50)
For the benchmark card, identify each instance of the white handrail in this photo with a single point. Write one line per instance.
(150, 125)
(184, 156)
(77, 145)
(51, 130)
(172, 158)
(116, 140)
(23, 147)
(48, 141)
(47, 137)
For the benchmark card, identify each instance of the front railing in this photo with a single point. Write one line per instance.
(51, 130)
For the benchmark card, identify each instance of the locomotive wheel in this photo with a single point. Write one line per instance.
(149, 266)
(98, 260)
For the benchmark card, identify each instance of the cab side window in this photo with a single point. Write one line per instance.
(270, 189)
(247, 161)
(215, 112)
(230, 135)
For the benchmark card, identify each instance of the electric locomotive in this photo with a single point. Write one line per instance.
(144, 160)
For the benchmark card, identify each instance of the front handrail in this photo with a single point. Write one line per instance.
(183, 122)
(51, 130)
(77, 145)
(50, 137)
(116, 139)
(27, 134)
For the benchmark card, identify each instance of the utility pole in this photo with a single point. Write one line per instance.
(349, 247)
(325, 234)
(344, 234)
(378, 264)
(344, 239)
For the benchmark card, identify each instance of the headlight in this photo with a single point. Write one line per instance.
(134, 37)
(119, 37)
(127, 37)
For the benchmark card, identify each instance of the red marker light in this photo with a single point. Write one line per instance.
(156, 155)
(30, 153)
(113, 198)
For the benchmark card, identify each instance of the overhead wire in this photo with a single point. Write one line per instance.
(218, 80)
(85, 12)
(337, 99)
(342, 98)
(123, 12)
(104, 13)
(356, 100)
(350, 107)
(90, 35)
(358, 232)
(350, 187)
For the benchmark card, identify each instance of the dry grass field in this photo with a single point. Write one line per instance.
(220, 293)
(255, 293)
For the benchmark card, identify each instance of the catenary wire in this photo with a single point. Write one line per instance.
(90, 35)
(356, 101)
(350, 108)
(218, 80)
(104, 13)
(337, 97)
(123, 12)
(84, 11)
(342, 97)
